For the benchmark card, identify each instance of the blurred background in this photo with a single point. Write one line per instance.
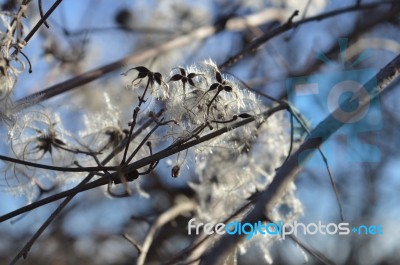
(85, 35)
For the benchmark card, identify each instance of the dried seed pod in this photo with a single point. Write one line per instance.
(175, 171)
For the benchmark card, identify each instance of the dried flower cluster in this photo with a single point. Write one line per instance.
(191, 103)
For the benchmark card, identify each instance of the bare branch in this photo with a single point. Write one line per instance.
(163, 219)
(234, 24)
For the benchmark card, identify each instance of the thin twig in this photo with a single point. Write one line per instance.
(41, 13)
(134, 118)
(133, 242)
(55, 168)
(41, 21)
(301, 121)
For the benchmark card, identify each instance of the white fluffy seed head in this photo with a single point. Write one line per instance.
(203, 95)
